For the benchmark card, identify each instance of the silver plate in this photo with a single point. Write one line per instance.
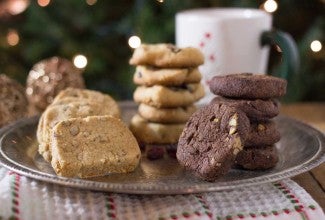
(301, 148)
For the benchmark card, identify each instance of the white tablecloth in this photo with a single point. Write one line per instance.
(24, 198)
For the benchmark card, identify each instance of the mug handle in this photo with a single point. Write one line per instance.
(291, 62)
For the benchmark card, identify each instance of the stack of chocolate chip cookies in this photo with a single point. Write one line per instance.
(168, 82)
(256, 96)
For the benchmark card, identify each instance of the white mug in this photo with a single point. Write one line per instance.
(231, 40)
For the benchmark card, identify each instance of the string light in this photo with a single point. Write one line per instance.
(160, 1)
(134, 42)
(270, 6)
(43, 3)
(91, 2)
(316, 46)
(12, 38)
(80, 61)
(18, 6)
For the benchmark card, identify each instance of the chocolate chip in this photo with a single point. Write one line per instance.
(176, 89)
(179, 88)
(173, 48)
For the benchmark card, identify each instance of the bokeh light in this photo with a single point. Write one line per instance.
(270, 6)
(91, 2)
(80, 61)
(43, 3)
(316, 46)
(12, 38)
(134, 42)
(18, 6)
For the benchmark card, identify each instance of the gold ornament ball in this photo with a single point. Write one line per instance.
(48, 77)
(13, 102)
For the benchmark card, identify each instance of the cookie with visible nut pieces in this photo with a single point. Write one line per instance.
(256, 110)
(166, 56)
(56, 113)
(93, 146)
(262, 133)
(73, 94)
(257, 158)
(211, 139)
(248, 86)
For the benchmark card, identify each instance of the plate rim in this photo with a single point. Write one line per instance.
(317, 159)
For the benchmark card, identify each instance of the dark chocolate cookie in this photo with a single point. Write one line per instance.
(211, 140)
(257, 158)
(248, 86)
(262, 133)
(255, 110)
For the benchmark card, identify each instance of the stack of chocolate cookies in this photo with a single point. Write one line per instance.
(168, 82)
(256, 96)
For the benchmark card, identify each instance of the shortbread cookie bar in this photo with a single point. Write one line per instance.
(93, 146)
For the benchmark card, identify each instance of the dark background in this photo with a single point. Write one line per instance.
(100, 30)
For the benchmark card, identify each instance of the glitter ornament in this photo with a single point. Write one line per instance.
(48, 77)
(13, 102)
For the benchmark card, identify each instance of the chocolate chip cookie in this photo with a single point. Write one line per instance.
(148, 76)
(155, 133)
(166, 115)
(166, 97)
(211, 139)
(167, 56)
(248, 86)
